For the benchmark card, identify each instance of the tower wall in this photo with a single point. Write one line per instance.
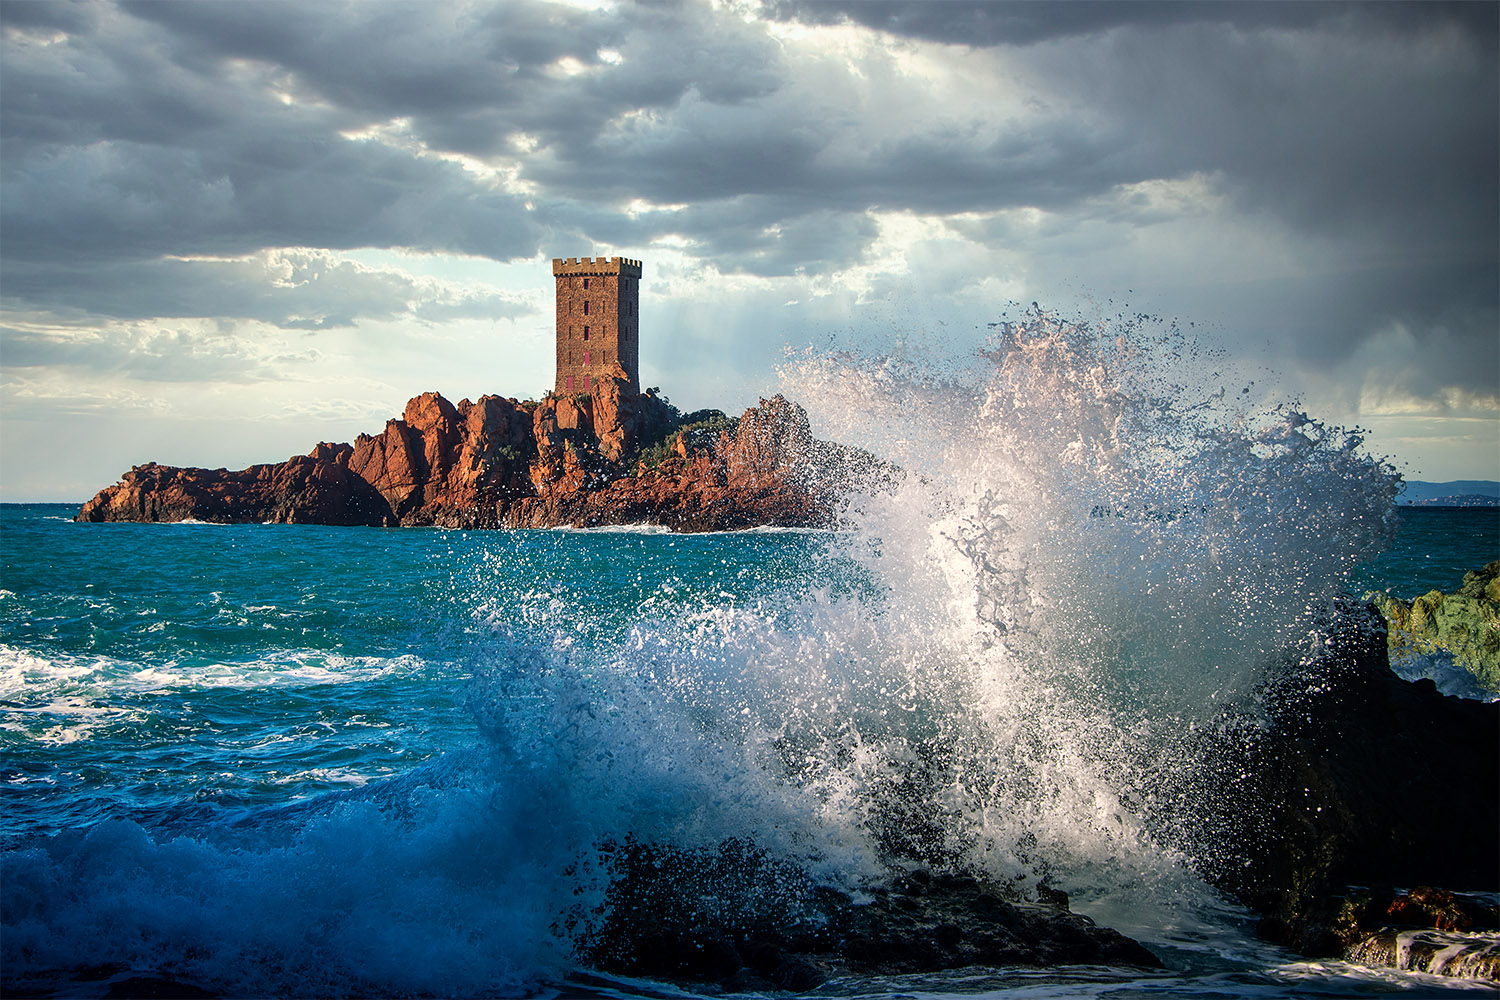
(598, 320)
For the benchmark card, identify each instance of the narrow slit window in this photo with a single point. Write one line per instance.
(585, 382)
(585, 282)
(585, 307)
(585, 333)
(570, 383)
(585, 357)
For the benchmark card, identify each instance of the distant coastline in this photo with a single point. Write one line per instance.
(1458, 493)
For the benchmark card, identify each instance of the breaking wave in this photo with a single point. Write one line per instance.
(1084, 549)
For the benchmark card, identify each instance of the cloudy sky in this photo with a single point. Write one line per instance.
(230, 230)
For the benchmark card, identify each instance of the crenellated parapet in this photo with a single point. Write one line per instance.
(623, 267)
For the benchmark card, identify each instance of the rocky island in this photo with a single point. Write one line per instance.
(611, 456)
(595, 451)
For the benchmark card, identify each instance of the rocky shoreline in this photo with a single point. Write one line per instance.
(609, 457)
(1339, 783)
(733, 920)
(1309, 803)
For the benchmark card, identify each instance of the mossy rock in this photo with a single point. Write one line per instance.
(1465, 624)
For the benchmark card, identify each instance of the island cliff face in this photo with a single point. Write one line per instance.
(611, 457)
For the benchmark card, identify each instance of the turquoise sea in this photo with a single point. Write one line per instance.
(297, 760)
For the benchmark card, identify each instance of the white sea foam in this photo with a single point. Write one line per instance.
(26, 676)
(325, 776)
(1090, 552)
(615, 529)
(20, 668)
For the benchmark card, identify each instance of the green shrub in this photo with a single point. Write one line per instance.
(700, 426)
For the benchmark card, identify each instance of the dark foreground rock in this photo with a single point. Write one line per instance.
(740, 921)
(1345, 776)
(112, 981)
(609, 457)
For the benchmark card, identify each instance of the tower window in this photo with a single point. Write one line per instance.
(585, 307)
(585, 357)
(570, 383)
(585, 382)
(585, 333)
(585, 282)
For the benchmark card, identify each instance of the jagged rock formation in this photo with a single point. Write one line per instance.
(316, 488)
(739, 920)
(566, 460)
(1465, 624)
(1343, 775)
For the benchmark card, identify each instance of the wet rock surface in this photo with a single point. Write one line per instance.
(1438, 953)
(1345, 775)
(742, 922)
(563, 461)
(1423, 929)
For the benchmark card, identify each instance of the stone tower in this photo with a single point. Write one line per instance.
(598, 320)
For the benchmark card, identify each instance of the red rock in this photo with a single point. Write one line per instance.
(1428, 906)
(301, 489)
(773, 440)
(566, 460)
(436, 421)
(390, 464)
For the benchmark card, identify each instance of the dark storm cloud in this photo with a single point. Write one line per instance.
(1324, 131)
(124, 144)
(218, 129)
(1377, 143)
(184, 128)
(249, 184)
(1350, 126)
(46, 16)
(472, 77)
(1024, 22)
(387, 59)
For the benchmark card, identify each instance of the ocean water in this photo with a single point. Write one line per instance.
(289, 760)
